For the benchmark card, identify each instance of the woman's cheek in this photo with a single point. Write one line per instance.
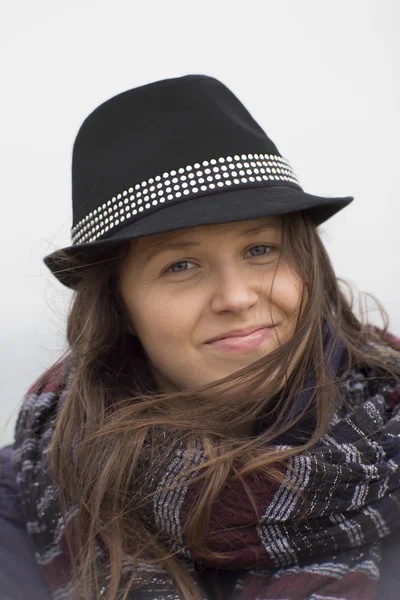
(286, 292)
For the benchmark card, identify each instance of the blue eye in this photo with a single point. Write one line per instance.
(182, 262)
(261, 246)
(268, 250)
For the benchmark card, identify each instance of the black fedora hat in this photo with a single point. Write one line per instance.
(172, 154)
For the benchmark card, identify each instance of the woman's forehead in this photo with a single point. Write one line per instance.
(238, 227)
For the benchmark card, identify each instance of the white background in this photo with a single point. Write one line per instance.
(321, 78)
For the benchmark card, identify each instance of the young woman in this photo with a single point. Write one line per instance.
(222, 424)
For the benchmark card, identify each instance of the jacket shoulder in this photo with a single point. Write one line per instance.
(16, 548)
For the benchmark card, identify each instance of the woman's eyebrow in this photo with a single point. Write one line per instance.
(167, 245)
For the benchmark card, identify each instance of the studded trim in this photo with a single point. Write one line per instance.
(224, 172)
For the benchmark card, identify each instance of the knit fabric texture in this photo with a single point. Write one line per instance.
(351, 480)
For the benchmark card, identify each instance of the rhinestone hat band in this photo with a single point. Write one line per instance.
(192, 180)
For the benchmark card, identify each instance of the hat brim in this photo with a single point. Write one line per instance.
(224, 207)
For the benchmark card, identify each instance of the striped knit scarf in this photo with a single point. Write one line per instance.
(352, 485)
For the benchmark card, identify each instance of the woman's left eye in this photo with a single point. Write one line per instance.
(186, 262)
(261, 246)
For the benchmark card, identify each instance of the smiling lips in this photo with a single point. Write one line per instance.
(244, 340)
(236, 333)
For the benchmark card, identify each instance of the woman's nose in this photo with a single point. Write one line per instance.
(234, 291)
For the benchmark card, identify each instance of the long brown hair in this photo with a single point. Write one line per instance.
(107, 442)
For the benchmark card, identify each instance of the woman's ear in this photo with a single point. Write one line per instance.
(127, 322)
(132, 331)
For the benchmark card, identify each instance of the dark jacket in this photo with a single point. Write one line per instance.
(20, 578)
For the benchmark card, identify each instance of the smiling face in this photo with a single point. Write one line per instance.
(182, 289)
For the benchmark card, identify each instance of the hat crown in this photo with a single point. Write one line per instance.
(156, 128)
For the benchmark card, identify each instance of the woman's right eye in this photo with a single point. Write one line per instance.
(181, 262)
